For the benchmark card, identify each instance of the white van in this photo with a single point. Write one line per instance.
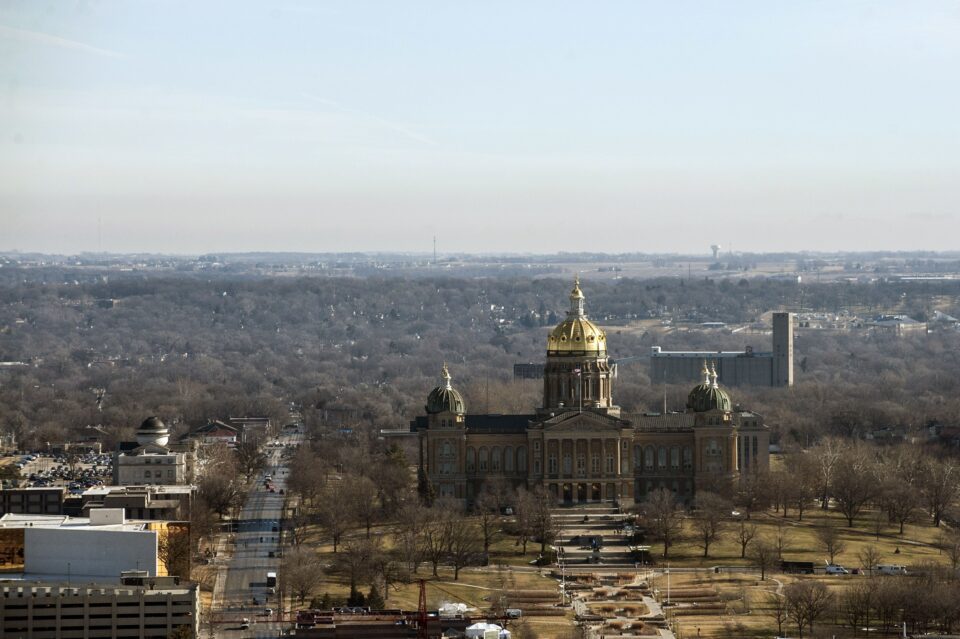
(891, 569)
(836, 570)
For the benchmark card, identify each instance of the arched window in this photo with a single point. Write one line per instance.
(495, 459)
(648, 456)
(508, 459)
(521, 459)
(637, 457)
(662, 457)
(483, 458)
(471, 460)
(447, 449)
(675, 458)
(687, 458)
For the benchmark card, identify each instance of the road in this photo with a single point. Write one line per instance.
(241, 590)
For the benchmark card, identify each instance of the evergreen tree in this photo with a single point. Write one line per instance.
(374, 600)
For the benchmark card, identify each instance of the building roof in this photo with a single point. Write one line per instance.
(69, 523)
(576, 334)
(445, 398)
(506, 424)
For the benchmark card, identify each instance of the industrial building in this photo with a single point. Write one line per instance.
(734, 368)
(139, 608)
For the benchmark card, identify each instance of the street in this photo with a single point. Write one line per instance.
(241, 590)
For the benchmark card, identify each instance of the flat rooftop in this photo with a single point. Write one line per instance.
(11, 520)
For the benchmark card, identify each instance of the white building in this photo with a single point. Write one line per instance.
(57, 546)
(150, 461)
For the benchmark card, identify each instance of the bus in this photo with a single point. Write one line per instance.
(271, 579)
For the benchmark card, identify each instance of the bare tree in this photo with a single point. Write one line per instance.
(408, 536)
(220, 492)
(464, 545)
(763, 554)
(938, 487)
(952, 546)
(807, 601)
(827, 455)
(355, 560)
(781, 537)
(359, 493)
(708, 516)
(301, 572)
(869, 557)
(853, 485)
(333, 515)
(745, 533)
(487, 506)
(174, 548)
(777, 604)
(250, 458)
(541, 519)
(829, 538)
(855, 603)
(437, 531)
(900, 502)
(662, 517)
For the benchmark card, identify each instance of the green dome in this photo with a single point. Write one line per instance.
(707, 396)
(444, 398)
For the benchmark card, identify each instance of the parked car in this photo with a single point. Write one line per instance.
(832, 569)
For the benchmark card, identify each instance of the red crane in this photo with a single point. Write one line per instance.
(422, 612)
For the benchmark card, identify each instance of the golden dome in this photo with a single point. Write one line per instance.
(576, 333)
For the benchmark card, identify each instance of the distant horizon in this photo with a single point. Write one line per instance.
(440, 255)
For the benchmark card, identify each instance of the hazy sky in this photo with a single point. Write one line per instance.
(498, 126)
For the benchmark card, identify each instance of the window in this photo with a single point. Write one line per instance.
(637, 457)
(581, 465)
(687, 458)
(483, 458)
(508, 459)
(522, 460)
(595, 464)
(170, 473)
(611, 463)
(552, 463)
(648, 457)
(495, 459)
(471, 460)
(146, 474)
(754, 446)
(662, 457)
(446, 450)
(675, 458)
(567, 464)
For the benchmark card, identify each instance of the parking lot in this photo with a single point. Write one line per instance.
(76, 473)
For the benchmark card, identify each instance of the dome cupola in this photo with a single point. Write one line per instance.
(708, 395)
(445, 398)
(153, 432)
(577, 335)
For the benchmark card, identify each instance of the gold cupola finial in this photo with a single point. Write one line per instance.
(445, 374)
(713, 375)
(576, 298)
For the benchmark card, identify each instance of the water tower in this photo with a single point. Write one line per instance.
(716, 250)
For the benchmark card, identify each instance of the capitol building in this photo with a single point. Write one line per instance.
(579, 445)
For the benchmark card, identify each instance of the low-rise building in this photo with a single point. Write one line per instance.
(100, 547)
(137, 608)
